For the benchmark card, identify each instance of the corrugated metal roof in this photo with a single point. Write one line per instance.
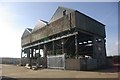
(59, 13)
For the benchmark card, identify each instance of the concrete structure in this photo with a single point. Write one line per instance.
(69, 32)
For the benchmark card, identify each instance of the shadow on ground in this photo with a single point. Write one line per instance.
(108, 70)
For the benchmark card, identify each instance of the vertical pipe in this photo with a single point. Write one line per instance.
(76, 46)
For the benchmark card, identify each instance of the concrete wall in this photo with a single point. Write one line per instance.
(62, 24)
(25, 40)
(72, 64)
(81, 64)
(99, 51)
(78, 20)
(109, 62)
(91, 64)
(55, 27)
(10, 60)
(88, 24)
(88, 64)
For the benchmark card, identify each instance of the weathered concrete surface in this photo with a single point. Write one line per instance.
(14, 71)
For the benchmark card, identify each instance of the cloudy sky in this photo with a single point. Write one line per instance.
(15, 17)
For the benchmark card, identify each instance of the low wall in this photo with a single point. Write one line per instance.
(88, 64)
(109, 62)
(81, 64)
(72, 64)
(10, 60)
(91, 64)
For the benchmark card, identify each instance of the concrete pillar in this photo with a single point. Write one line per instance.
(45, 50)
(62, 46)
(103, 45)
(39, 49)
(28, 53)
(76, 46)
(35, 51)
(53, 47)
(94, 48)
(99, 50)
(45, 56)
(31, 52)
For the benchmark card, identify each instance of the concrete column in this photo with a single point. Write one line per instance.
(28, 53)
(45, 51)
(53, 47)
(94, 48)
(45, 56)
(62, 46)
(76, 46)
(35, 51)
(99, 50)
(39, 49)
(31, 52)
(103, 52)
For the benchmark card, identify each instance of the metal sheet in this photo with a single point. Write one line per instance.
(57, 61)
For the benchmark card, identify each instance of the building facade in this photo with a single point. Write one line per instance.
(70, 40)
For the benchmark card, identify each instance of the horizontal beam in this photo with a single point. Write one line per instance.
(54, 39)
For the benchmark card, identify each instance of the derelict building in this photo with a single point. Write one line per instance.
(70, 40)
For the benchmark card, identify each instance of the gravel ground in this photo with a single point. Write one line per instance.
(14, 71)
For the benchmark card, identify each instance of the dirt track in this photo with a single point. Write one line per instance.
(14, 71)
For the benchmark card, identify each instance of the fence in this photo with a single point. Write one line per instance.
(57, 61)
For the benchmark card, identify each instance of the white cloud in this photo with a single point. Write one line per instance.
(112, 48)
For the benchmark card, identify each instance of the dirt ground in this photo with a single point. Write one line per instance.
(14, 71)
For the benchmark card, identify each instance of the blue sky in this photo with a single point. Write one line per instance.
(15, 17)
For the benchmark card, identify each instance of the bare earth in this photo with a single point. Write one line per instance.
(14, 71)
